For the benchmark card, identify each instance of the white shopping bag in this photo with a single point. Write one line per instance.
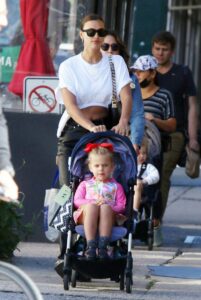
(50, 207)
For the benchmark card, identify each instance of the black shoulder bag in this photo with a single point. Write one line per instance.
(114, 108)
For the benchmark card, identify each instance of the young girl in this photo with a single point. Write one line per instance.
(100, 201)
(147, 175)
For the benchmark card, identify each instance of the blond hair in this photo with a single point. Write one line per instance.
(100, 151)
(145, 145)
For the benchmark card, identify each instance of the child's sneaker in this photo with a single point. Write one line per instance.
(158, 238)
(103, 248)
(90, 252)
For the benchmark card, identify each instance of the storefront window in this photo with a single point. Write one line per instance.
(65, 17)
(184, 21)
(23, 28)
(63, 27)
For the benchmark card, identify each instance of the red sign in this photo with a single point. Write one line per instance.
(42, 99)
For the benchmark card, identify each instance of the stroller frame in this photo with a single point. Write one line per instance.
(122, 266)
(148, 208)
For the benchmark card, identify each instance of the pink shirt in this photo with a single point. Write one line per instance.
(91, 191)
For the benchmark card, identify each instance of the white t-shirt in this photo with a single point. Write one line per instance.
(150, 175)
(91, 83)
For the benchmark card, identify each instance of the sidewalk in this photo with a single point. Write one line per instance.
(179, 178)
(158, 274)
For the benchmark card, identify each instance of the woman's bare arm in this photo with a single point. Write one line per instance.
(77, 114)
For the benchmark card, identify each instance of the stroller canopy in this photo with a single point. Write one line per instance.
(124, 154)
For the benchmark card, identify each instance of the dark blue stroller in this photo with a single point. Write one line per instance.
(119, 267)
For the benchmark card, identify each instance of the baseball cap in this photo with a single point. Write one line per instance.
(145, 62)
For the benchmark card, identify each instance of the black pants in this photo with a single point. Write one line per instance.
(71, 134)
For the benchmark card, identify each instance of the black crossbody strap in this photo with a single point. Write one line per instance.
(114, 86)
(142, 170)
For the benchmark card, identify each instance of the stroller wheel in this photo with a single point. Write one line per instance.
(121, 282)
(66, 282)
(128, 285)
(73, 278)
(150, 235)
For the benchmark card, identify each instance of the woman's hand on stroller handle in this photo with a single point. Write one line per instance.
(122, 128)
(98, 128)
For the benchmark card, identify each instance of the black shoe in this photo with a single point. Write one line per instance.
(59, 264)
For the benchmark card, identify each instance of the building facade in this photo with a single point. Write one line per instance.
(134, 20)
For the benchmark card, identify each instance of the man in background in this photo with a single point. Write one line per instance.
(179, 81)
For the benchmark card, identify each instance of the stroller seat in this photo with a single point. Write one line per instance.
(118, 232)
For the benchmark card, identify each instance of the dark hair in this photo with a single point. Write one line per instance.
(122, 47)
(90, 17)
(164, 37)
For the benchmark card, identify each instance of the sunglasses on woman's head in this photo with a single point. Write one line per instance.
(92, 32)
(114, 47)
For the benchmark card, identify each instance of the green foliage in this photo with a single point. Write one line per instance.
(12, 230)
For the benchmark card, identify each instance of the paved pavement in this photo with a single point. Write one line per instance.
(37, 260)
(179, 178)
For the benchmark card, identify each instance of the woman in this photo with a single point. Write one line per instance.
(158, 108)
(85, 88)
(113, 45)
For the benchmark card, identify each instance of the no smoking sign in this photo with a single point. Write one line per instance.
(39, 95)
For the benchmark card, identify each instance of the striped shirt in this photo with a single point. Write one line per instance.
(160, 105)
